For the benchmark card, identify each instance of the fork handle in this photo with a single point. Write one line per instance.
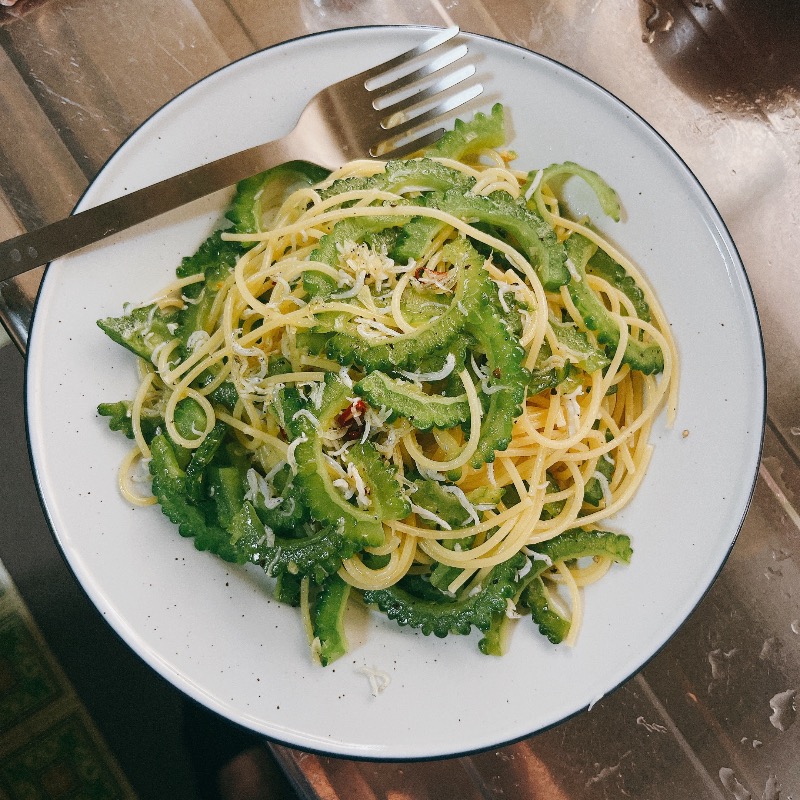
(29, 250)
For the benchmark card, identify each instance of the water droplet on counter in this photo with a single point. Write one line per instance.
(659, 21)
(719, 662)
(773, 572)
(795, 626)
(606, 772)
(651, 727)
(794, 430)
(729, 781)
(770, 649)
(772, 790)
(784, 712)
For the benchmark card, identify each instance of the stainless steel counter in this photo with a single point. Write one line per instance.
(713, 714)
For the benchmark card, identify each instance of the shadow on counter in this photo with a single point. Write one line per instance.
(739, 55)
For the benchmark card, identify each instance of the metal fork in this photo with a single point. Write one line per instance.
(373, 114)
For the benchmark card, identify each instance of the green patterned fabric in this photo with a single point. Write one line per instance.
(49, 746)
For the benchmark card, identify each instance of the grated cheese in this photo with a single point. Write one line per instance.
(430, 516)
(197, 339)
(378, 679)
(537, 179)
(573, 270)
(290, 459)
(465, 503)
(430, 377)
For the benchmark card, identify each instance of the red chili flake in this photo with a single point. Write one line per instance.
(356, 408)
(354, 432)
(496, 372)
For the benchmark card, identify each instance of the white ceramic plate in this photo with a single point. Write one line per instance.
(212, 629)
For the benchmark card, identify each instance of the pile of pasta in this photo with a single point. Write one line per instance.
(443, 383)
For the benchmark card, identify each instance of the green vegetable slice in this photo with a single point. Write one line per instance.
(201, 460)
(420, 174)
(320, 286)
(602, 265)
(535, 239)
(285, 510)
(646, 358)
(169, 488)
(467, 139)
(570, 545)
(258, 197)
(506, 378)
(388, 502)
(325, 503)
(327, 619)
(585, 354)
(404, 399)
(119, 419)
(593, 490)
(457, 617)
(607, 197)
(318, 554)
(582, 543)
(416, 238)
(142, 330)
(214, 259)
(551, 623)
(347, 346)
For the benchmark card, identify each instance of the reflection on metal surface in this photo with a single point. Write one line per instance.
(17, 300)
(659, 20)
(10, 9)
(714, 715)
(734, 50)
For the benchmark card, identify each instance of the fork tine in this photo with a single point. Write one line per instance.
(410, 102)
(440, 62)
(435, 41)
(391, 147)
(447, 104)
(408, 148)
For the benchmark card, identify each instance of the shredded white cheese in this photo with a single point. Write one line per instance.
(537, 179)
(378, 679)
(358, 285)
(511, 609)
(465, 503)
(525, 569)
(258, 485)
(573, 410)
(430, 516)
(344, 377)
(362, 498)
(197, 339)
(290, 460)
(430, 377)
(603, 481)
(344, 487)
(304, 412)
(540, 556)
(432, 475)
(573, 270)
(372, 329)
